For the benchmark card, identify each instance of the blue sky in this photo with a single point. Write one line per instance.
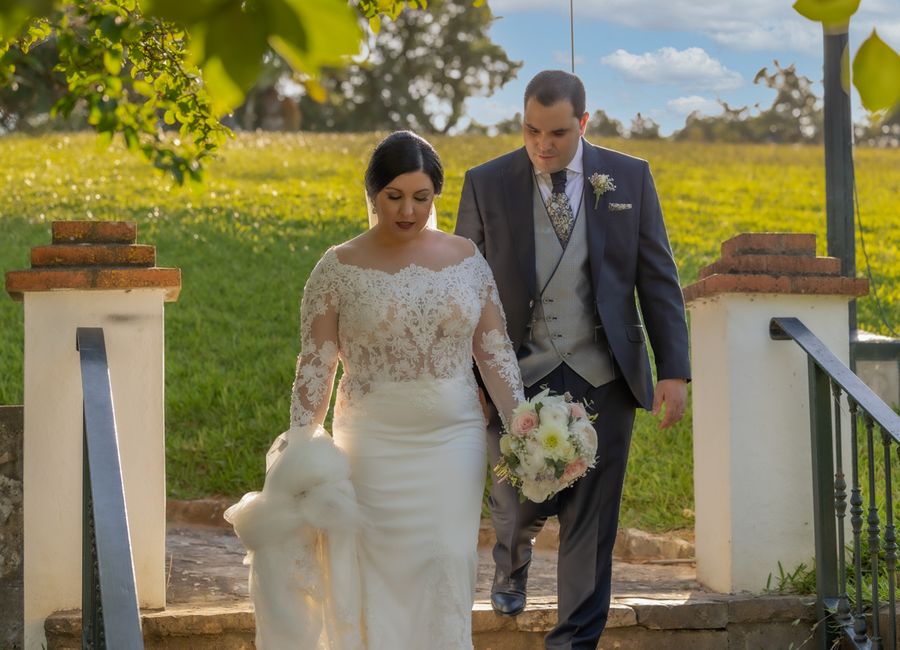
(665, 58)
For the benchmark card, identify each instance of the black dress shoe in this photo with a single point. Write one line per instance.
(508, 603)
(508, 592)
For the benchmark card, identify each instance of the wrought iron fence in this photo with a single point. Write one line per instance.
(852, 575)
(110, 614)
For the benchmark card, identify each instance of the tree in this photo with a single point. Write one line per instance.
(33, 88)
(474, 127)
(602, 125)
(733, 125)
(795, 114)
(419, 71)
(266, 106)
(880, 131)
(509, 125)
(135, 68)
(643, 128)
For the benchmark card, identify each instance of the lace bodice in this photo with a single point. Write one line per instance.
(415, 324)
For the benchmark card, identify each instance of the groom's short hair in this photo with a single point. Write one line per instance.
(551, 86)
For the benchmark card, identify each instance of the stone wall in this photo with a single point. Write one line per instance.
(11, 427)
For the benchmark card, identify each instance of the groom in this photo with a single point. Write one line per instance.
(573, 232)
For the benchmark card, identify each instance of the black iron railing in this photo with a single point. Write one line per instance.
(851, 577)
(110, 615)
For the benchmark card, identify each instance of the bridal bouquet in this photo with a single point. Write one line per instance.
(549, 444)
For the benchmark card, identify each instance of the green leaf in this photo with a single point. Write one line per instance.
(144, 88)
(37, 31)
(11, 21)
(310, 35)
(14, 15)
(225, 93)
(315, 90)
(112, 62)
(827, 12)
(228, 70)
(845, 68)
(375, 24)
(876, 74)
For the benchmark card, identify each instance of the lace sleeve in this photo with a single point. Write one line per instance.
(318, 357)
(494, 353)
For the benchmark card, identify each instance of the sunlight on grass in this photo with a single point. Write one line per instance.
(247, 239)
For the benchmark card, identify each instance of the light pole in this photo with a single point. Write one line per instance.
(572, 31)
(839, 159)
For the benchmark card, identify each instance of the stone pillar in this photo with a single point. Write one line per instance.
(10, 527)
(752, 463)
(93, 275)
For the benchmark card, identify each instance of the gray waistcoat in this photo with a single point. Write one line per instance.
(563, 326)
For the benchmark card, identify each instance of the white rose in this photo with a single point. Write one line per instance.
(587, 437)
(535, 491)
(555, 413)
(533, 458)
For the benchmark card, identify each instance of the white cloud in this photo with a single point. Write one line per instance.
(747, 25)
(688, 68)
(800, 37)
(687, 105)
(671, 14)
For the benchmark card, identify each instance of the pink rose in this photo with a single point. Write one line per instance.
(574, 470)
(524, 422)
(577, 410)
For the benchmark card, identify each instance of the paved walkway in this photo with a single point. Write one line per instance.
(654, 605)
(205, 564)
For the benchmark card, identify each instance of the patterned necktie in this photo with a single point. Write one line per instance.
(559, 209)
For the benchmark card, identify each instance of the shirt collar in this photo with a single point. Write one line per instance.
(577, 164)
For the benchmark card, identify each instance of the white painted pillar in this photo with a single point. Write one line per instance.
(124, 294)
(751, 423)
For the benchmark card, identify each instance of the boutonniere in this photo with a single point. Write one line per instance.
(602, 183)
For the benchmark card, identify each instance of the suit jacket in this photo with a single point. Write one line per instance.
(630, 258)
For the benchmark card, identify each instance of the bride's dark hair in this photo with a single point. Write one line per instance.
(402, 152)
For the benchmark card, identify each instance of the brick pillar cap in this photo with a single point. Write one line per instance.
(93, 255)
(780, 263)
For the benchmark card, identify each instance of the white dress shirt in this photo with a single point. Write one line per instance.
(574, 180)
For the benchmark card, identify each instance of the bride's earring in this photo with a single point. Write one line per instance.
(371, 211)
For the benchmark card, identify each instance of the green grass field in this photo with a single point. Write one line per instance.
(247, 239)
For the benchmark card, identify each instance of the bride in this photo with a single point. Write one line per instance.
(370, 541)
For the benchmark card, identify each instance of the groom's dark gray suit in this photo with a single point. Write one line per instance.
(636, 297)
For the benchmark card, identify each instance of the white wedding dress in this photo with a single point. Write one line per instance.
(395, 569)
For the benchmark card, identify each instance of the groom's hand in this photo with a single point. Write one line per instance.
(673, 394)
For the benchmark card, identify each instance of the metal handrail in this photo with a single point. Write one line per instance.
(829, 380)
(782, 329)
(110, 613)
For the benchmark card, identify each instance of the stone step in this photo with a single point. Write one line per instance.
(656, 604)
(708, 623)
